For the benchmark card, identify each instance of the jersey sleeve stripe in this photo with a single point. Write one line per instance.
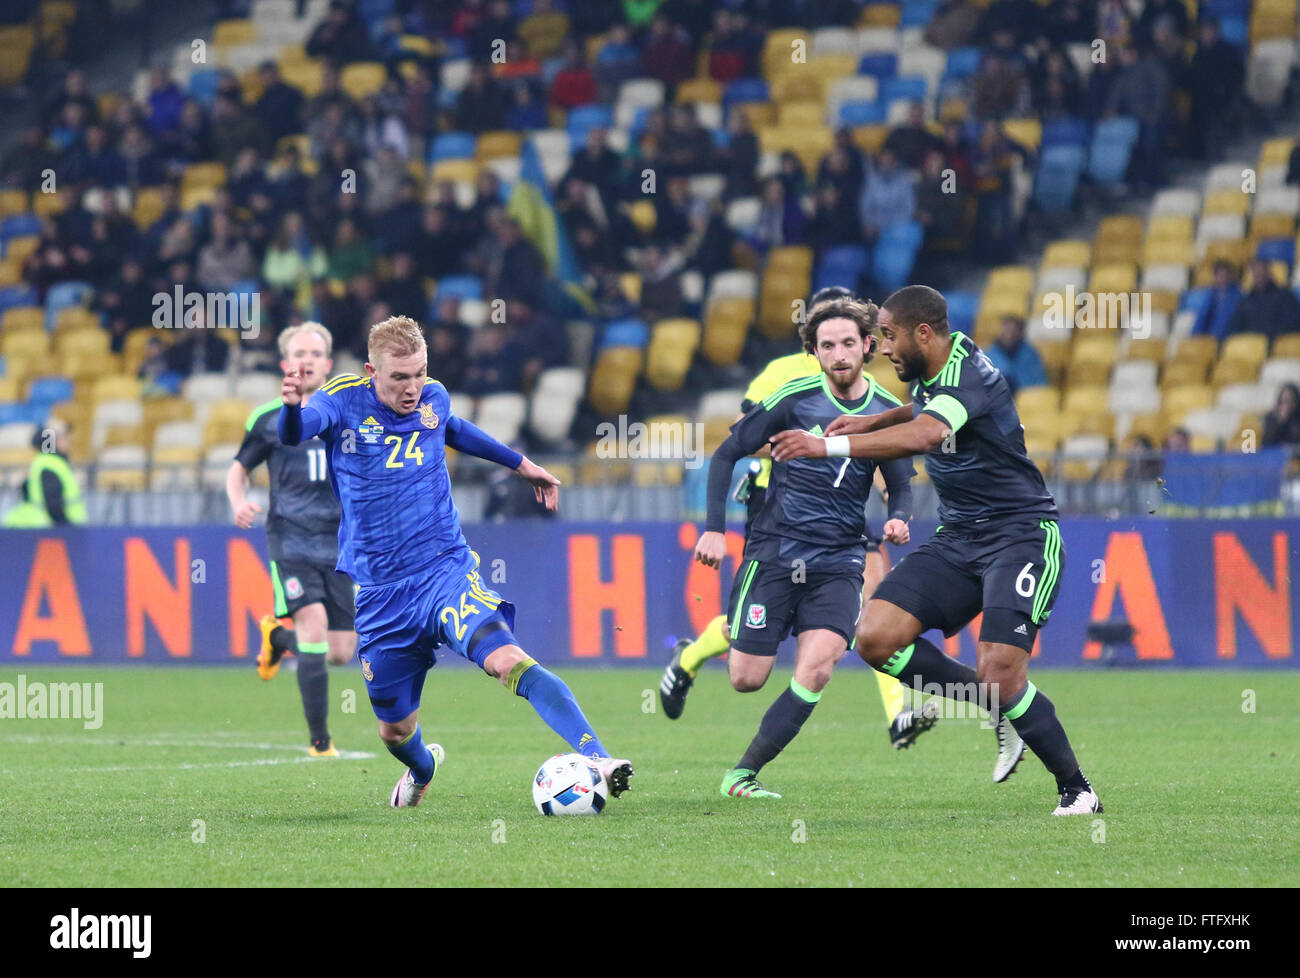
(260, 410)
(948, 409)
(330, 386)
(885, 395)
(794, 387)
(338, 387)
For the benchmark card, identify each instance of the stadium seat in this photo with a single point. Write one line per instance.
(1268, 70)
(1058, 176)
(1279, 200)
(962, 307)
(672, 349)
(624, 332)
(1112, 147)
(1071, 253)
(881, 65)
(720, 404)
(1176, 202)
(554, 402)
(452, 146)
(842, 265)
(614, 378)
(726, 326)
(895, 254)
(502, 415)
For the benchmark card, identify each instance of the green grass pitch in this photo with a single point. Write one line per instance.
(198, 776)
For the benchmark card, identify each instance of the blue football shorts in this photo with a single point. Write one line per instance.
(400, 625)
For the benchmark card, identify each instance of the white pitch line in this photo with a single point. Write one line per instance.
(344, 755)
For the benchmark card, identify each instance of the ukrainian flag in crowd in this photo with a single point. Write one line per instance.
(533, 207)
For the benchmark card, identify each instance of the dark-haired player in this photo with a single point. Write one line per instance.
(905, 725)
(802, 571)
(999, 548)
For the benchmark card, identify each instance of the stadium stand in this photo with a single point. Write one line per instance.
(625, 211)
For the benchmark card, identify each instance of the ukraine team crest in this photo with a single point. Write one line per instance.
(366, 671)
(427, 417)
(757, 616)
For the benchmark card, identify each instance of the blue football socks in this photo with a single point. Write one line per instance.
(414, 754)
(548, 694)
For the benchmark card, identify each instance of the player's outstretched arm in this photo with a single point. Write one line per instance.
(545, 486)
(297, 424)
(712, 543)
(924, 434)
(852, 424)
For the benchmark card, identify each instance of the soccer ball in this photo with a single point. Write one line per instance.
(569, 784)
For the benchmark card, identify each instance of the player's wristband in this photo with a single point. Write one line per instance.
(837, 446)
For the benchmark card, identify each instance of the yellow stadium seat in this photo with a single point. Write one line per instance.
(1170, 227)
(1010, 278)
(1082, 400)
(230, 33)
(699, 90)
(832, 67)
(790, 258)
(1179, 373)
(1265, 226)
(954, 108)
(362, 78)
(1287, 347)
(1250, 348)
(799, 85)
(148, 206)
(1071, 253)
(1236, 251)
(307, 76)
(1196, 349)
(801, 114)
(630, 283)
(11, 272)
(457, 171)
(1116, 251)
(16, 44)
(203, 175)
(76, 318)
(1120, 227)
(1034, 401)
(48, 205)
(1168, 252)
(613, 378)
(870, 138)
(1226, 202)
(116, 387)
(880, 15)
(760, 114)
(82, 342)
(672, 349)
(1178, 402)
(643, 216)
(725, 329)
(22, 318)
(1149, 349)
(1234, 372)
(995, 305)
(1027, 132)
(1275, 152)
(20, 347)
(781, 45)
(492, 145)
(18, 249)
(13, 202)
(11, 389)
(1113, 278)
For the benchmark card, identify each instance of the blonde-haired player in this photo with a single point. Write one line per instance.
(419, 589)
(302, 537)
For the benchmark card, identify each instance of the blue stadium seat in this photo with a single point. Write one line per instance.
(640, 119)
(66, 294)
(1112, 147)
(18, 295)
(1194, 300)
(586, 117)
(918, 13)
(203, 85)
(463, 286)
(881, 64)
(18, 226)
(841, 265)
(910, 88)
(625, 332)
(1072, 132)
(452, 146)
(895, 254)
(1058, 177)
(1277, 249)
(50, 390)
(1236, 30)
(745, 90)
(372, 11)
(962, 307)
(861, 113)
(962, 63)
(1226, 8)
(9, 413)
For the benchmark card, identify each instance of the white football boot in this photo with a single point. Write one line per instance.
(408, 792)
(1010, 750)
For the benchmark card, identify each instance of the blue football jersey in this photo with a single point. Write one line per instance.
(389, 472)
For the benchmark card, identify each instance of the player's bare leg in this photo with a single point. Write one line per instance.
(819, 649)
(1005, 668)
(905, 724)
(748, 672)
(889, 639)
(404, 742)
(554, 702)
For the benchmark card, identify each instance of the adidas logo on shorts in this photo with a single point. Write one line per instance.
(1021, 629)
